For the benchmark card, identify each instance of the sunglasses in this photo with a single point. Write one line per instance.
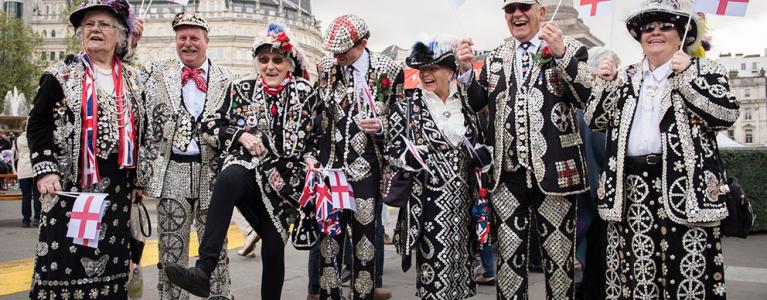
(665, 27)
(275, 60)
(511, 8)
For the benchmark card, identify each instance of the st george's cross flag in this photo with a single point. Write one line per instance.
(182, 2)
(591, 8)
(341, 190)
(85, 219)
(735, 8)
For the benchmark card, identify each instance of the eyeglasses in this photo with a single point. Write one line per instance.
(275, 60)
(511, 8)
(665, 27)
(102, 26)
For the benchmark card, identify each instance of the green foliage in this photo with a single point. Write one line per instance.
(74, 44)
(18, 43)
(749, 165)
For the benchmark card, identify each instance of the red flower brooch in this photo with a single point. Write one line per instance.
(543, 57)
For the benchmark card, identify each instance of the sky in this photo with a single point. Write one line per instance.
(400, 21)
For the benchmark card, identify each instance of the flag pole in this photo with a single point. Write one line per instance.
(149, 5)
(141, 8)
(612, 29)
(556, 10)
(687, 28)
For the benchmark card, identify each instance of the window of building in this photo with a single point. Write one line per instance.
(743, 66)
(755, 66)
(43, 55)
(747, 114)
(747, 93)
(53, 33)
(749, 136)
(61, 54)
(53, 55)
(731, 133)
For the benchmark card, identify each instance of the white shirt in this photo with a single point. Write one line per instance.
(447, 115)
(644, 137)
(361, 67)
(104, 80)
(194, 101)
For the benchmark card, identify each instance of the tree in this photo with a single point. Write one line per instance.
(18, 68)
(74, 45)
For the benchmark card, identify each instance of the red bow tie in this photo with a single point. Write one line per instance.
(195, 75)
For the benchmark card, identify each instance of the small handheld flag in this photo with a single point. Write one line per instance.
(735, 8)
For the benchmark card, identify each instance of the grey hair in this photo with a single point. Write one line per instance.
(598, 54)
(122, 42)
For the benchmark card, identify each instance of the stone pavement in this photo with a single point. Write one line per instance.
(746, 275)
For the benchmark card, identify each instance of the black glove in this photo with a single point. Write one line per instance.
(483, 158)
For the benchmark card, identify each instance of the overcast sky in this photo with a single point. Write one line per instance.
(399, 22)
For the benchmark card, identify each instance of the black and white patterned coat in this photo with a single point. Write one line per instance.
(534, 125)
(695, 105)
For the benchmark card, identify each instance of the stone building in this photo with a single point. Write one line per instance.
(234, 24)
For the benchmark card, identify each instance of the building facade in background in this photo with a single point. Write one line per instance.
(233, 23)
(749, 84)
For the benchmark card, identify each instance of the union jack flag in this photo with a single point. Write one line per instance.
(309, 192)
(326, 214)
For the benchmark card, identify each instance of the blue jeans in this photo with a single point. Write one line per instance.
(487, 261)
(29, 196)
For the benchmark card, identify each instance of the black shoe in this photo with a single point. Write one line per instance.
(36, 223)
(25, 224)
(193, 280)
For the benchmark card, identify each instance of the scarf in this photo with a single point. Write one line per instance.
(125, 121)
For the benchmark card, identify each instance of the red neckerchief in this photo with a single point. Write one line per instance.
(274, 91)
(196, 75)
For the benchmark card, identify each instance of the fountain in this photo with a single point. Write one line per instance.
(15, 111)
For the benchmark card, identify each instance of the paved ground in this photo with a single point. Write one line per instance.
(746, 274)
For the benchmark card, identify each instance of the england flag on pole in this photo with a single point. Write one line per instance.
(85, 219)
(591, 8)
(341, 191)
(182, 2)
(736, 8)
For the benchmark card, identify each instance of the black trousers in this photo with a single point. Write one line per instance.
(363, 224)
(236, 187)
(520, 211)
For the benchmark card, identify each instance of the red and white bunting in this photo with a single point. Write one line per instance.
(736, 8)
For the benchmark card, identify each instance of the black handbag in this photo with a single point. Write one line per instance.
(397, 183)
(305, 233)
(740, 216)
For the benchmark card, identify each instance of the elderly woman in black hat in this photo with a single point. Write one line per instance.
(442, 133)
(662, 190)
(264, 131)
(83, 134)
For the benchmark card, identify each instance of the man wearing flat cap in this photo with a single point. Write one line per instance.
(179, 94)
(532, 85)
(356, 87)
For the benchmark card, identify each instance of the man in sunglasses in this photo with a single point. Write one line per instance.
(356, 87)
(532, 85)
(179, 93)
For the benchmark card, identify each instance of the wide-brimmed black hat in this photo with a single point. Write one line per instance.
(673, 11)
(433, 50)
(119, 8)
